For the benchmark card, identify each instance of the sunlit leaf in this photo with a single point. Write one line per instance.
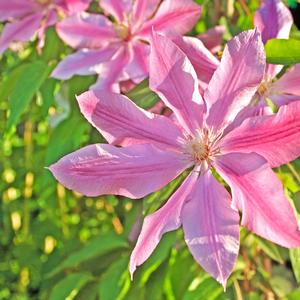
(283, 52)
(114, 279)
(98, 246)
(295, 259)
(270, 249)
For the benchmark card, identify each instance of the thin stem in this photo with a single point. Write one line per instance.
(245, 8)
(238, 291)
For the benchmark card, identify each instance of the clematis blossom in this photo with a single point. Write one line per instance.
(146, 151)
(274, 20)
(117, 46)
(26, 18)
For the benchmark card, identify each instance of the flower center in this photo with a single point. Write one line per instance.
(203, 146)
(199, 150)
(44, 2)
(263, 88)
(123, 31)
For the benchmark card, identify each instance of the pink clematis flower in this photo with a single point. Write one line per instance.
(274, 20)
(29, 17)
(118, 50)
(155, 149)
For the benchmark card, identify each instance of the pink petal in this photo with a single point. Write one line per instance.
(166, 219)
(83, 62)
(201, 58)
(86, 31)
(76, 6)
(283, 99)
(253, 110)
(143, 10)
(22, 30)
(213, 38)
(121, 122)
(211, 228)
(116, 8)
(289, 83)
(274, 20)
(173, 77)
(113, 71)
(258, 193)
(236, 79)
(137, 69)
(178, 16)
(15, 9)
(134, 171)
(275, 137)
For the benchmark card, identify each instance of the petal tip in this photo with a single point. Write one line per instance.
(87, 103)
(132, 268)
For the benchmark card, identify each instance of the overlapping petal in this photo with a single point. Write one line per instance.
(83, 62)
(22, 30)
(236, 79)
(177, 16)
(173, 77)
(258, 193)
(203, 61)
(143, 10)
(86, 30)
(133, 171)
(121, 122)
(137, 68)
(116, 8)
(76, 6)
(166, 219)
(211, 227)
(113, 71)
(275, 137)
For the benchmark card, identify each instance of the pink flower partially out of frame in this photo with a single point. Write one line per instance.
(155, 149)
(274, 20)
(29, 17)
(118, 50)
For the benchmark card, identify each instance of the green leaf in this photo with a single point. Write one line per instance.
(270, 249)
(203, 288)
(22, 84)
(143, 96)
(97, 247)
(47, 95)
(295, 260)
(283, 52)
(114, 279)
(53, 46)
(66, 137)
(69, 287)
(155, 200)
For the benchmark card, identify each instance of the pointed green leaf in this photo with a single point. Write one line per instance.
(69, 287)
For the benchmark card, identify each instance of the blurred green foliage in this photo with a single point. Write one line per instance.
(57, 245)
